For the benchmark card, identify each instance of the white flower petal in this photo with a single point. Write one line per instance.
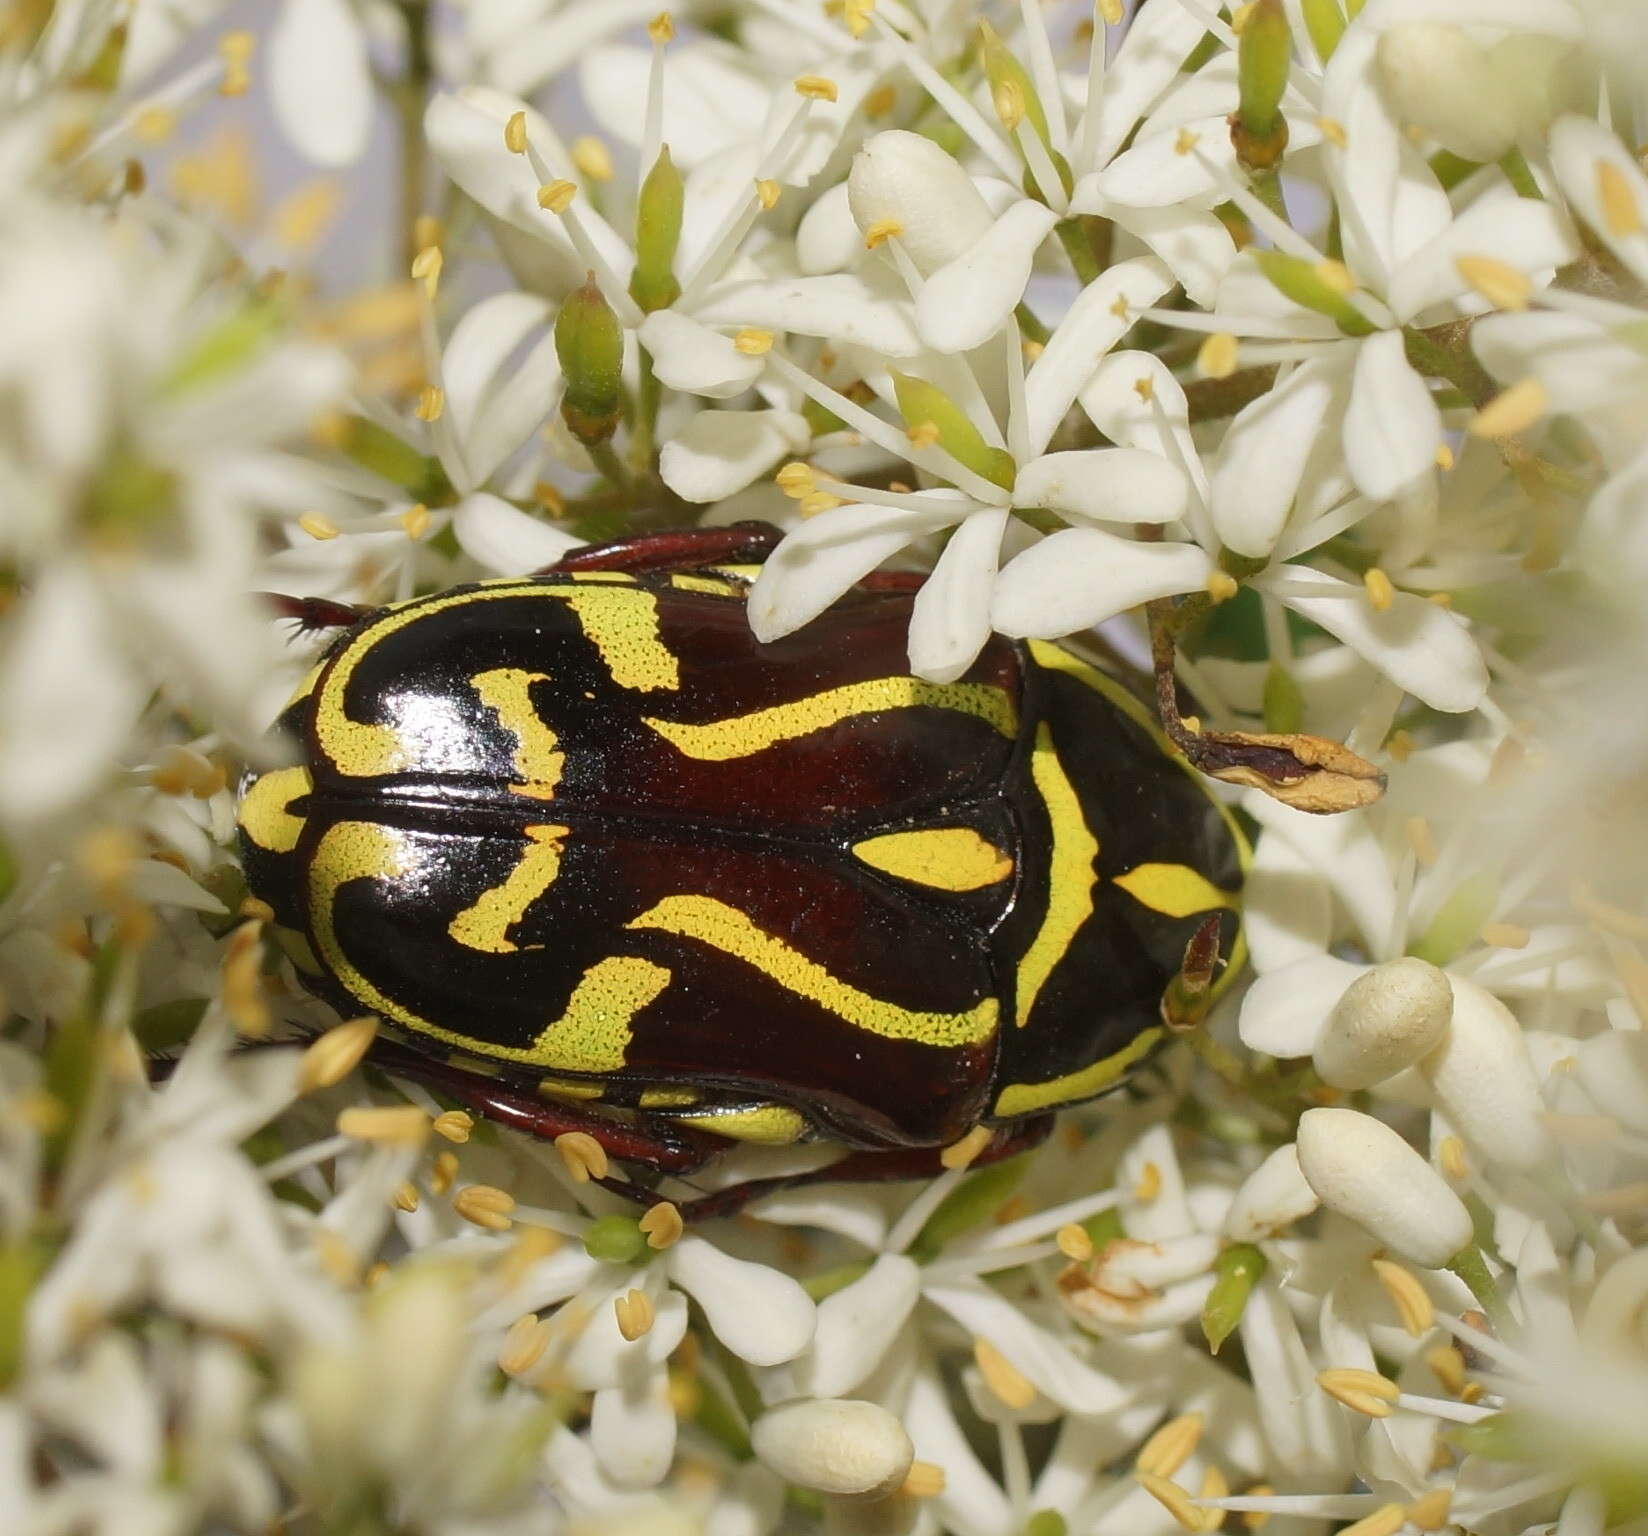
(505, 540)
(762, 1316)
(715, 97)
(1304, 1428)
(161, 884)
(694, 359)
(857, 1325)
(1287, 911)
(1529, 235)
(471, 363)
(320, 80)
(1263, 458)
(1104, 485)
(1083, 576)
(1146, 64)
(1101, 315)
(966, 301)
(827, 240)
(950, 620)
(1580, 149)
(857, 307)
(1392, 426)
(632, 1427)
(1049, 1365)
(819, 560)
(1285, 1011)
(1271, 1198)
(527, 50)
(1613, 1069)
(719, 452)
(1437, 78)
(1192, 166)
(907, 179)
(1195, 246)
(1422, 648)
(971, 1502)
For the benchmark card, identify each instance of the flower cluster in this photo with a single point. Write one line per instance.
(1290, 357)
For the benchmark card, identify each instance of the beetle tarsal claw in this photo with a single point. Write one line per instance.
(1190, 993)
(1310, 773)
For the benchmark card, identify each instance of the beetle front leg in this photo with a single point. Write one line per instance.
(315, 613)
(674, 549)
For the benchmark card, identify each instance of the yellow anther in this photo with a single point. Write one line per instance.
(924, 434)
(155, 125)
(1110, 12)
(661, 29)
(1387, 1520)
(1335, 275)
(1001, 1376)
(1333, 131)
(1511, 411)
(880, 102)
(557, 196)
(924, 1480)
(531, 1247)
(767, 192)
(815, 87)
(426, 268)
(1172, 1498)
(486, 1205)
(336, 1258)
(1429, 1512)
(1412, 1302)
(856, 15)
(1472, 1392)
(1619, 205)
(1505, 935)
(1145, 387)
(1008, 100)
(880, 230)
(1074, 1243)
(454, 1125)
(336, 1054)
(752, 341)
(1185, 142)
(1367, 1392)
(796, 479)
(398, 1125)
(815, 502)
(1222, 586)
(431, 402)
(1381, 594)
(1149, 1185)
(444, 1174)
(1501, 284)
(635, 1313)
(1444, 457)
(235, 49)
(592, 157)
(524, 1345)
(1215, 1485)
(1258, 1519)
(515, 134)
(960, 1154)
(1216, 357)
(406, 1196)
(1449, 1366)
(1171, 1446)
(415, 521)
(584, 1156)
(318, 527)
(427, 230)
(1450, 1153)
(1400, 746)
(662, 1224)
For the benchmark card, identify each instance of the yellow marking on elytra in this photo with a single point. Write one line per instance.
(1175, 890)
(719, 741)
(507, 692)
(623, 628)
(732, 932)
(1027, 1098)
(264, 816)
(667, 1098)
(562, 1088)
(590, 1036)
(485, 925)
(946, 858)
(771, 1125)
(1070, 875)
(686, 582)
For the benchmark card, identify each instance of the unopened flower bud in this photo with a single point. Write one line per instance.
(590, 344)
(1325, 22)
(1272, 1197)
(1362, 1169)
(657, 233)
(835, 1446)
(1259, 131)
(1309, 285)
(1386, 1021)
(925, 407)
(907, 178)
(1240, 1267)
(1485, 1083)
(1436, 78)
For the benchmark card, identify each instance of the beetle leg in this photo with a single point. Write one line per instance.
(866, 1168)
(314, 613)
(893, 581)
(674, 549)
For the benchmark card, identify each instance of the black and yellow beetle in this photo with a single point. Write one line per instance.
(603, 862)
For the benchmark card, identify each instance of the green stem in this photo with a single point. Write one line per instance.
(1078, 248)
(644, 428)
(1443, 351)
(411, 94)
(1517, 173)
(1472, 1268)
(1030, 327)
(1267, 187)
(612, 467)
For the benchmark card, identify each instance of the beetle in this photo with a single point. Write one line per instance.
(603, 862)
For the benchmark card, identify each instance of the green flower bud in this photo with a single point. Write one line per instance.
(925, 405)
(1284, 704)
(1458, 920)
(657, 232)
(1045, 1522)
(1316, 285)
(970, 1204)
(377, 449)
(227, 346)
(1326, 24)
(1259, 131)
(590, 344)
(617, 1240)
(1015, 98)
(1238, 1269)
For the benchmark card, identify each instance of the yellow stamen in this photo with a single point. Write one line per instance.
(1449, 1365)
(258, 911)
(1008, 100)
(426, 268)
(1501, 284)
(635, 1313)
(1222, 586)
(924, 434)
(1505, 935)
(1171, 1446)
(924, 1480)
(1215, 1485)
(515, 133)
(1511, 411)
(531, 1247)
(663, 1225)
(486, 1205)
(815, 87)
(1387, 1520)
(1216, 357)
(431, 402)
(752, 341)
(1074, 1243)
(1149, 1185)
(1001, 1376)
(1257, 1519)
(815, 502)
(584, 1156)
(856, 15)
(336, 1054)
(767, 192)
(454, 1125)
(415, 521)
(1185, 142)
(318, 527)
(592, 157)
(235, 49)
(444, 1174)
(661, 29)
(155, 125)
(1619, 205)
(1367, 1392)
(1381, 594)
(1172, 1498)
(1110, 12)
(1333, 131)
(1400, 746)
(960, 1154)
(557, 196)
(390, 1124)
(1429, 1512)
(1444, 457)
(406, 1196)
(1418, 833)
(524, 1345)
(796, 479)
(1413, 1304)
(881, 230)
(1450, 1153)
